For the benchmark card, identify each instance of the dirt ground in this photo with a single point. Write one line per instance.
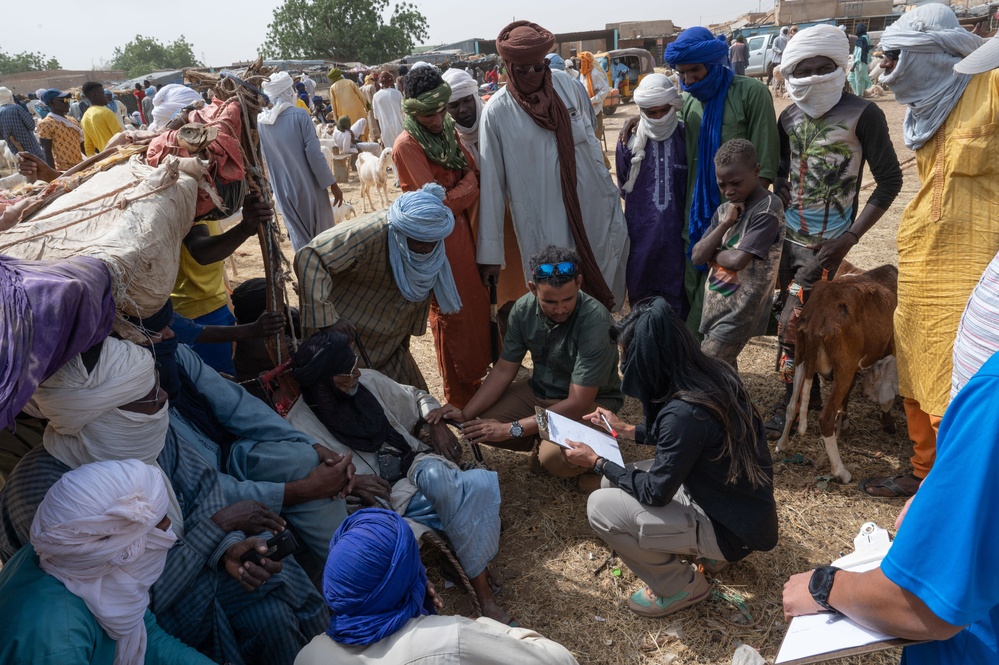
(552, 567)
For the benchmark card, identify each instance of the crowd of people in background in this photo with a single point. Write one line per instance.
(172, 515)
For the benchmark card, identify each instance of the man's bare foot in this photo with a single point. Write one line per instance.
(487, 601)
(492, 610)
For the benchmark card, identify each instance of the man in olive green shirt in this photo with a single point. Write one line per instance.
(567, 333)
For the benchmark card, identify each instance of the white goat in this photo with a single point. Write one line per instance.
(343, 212)
(371, 173)
(328, 155)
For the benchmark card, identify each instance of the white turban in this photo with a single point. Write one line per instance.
(40, 92)
(932, 41)
(655, 91)
(420, 65)
(815, 41)
(170, 99)
(85, 423)
(280, 87)
(95, 531)
(816, 95)
(463, 85)
(6, 96)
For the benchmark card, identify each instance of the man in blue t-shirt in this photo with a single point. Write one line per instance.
(938, 580)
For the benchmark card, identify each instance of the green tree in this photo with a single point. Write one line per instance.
(809, 140)
(344, 30)
(829, 185)
(14, 63)
(143, 55)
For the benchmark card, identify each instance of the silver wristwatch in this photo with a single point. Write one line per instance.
(516, 430)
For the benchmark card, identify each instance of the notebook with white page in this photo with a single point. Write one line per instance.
(820, 637)
(559, 428)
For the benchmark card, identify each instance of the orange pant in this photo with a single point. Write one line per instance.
(923, 429)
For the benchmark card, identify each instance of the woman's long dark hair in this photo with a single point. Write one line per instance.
(663, 361)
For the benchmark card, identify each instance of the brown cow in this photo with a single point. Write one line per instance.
(846, 325)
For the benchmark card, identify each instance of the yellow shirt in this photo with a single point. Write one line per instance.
(199, 289)
(99, 124)
(300, 104)
(948, 235)
(347, 99)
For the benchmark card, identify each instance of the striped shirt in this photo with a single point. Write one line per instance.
(978, 333)
(345, 272)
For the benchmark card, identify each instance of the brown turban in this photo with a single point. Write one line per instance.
(524, 43)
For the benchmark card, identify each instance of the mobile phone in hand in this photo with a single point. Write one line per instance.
(278, 548)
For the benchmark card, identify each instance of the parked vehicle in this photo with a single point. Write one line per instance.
(761, 53)
(640, 64)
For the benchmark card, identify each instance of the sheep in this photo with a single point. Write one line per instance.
(343, 212)
(12, 182)
(328, 155)
(371, 173)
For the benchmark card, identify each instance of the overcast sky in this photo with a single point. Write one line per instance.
(82, 33)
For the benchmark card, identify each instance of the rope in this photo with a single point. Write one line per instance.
(121, 205)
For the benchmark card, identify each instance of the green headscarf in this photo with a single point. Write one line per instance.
(343, 123)
(335, 75)
(442, 148)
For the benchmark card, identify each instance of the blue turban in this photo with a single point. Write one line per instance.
(422, 216)
(374, 581)
(555, 61)
(697, 46)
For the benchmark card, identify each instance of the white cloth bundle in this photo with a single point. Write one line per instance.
(95, 531)
(655, 91)
(932, 42)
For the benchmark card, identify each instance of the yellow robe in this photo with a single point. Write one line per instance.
(948, 235)
(347, 99)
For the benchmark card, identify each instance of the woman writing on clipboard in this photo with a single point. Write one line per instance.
(708, 493)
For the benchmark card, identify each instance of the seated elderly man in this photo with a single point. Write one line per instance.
(369, 414)
(106, 404)
(385, 610)
(374, 278)
(260, 456)
(98, 542)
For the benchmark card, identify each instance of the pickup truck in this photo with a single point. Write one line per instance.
(760, 48)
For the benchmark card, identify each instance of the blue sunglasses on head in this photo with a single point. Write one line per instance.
(549, 270)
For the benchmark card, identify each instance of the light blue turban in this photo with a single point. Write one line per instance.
(555, 61)
(422, 216)
(374, 581)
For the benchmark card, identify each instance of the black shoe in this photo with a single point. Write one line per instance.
(775, 426)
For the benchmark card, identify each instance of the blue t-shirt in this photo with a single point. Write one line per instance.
(946, 549)
(185, 330)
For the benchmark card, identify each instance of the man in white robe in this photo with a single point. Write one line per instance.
(387, 107)
(298, 171)
(520, 165)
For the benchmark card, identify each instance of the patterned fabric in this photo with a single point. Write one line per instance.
(17, 128)
(654, 210)
(978, 333)
(345, 272)
(737, 301)
(948, 235)
(194, 599)
(65, 141)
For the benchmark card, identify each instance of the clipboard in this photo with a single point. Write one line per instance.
(815, 638)
(556, 428)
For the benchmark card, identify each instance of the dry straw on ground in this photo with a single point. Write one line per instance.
(552, 567)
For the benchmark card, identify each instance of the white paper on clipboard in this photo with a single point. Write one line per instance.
(561, 428)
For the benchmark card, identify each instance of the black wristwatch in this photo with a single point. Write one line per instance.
(821, 584)
(516, 429)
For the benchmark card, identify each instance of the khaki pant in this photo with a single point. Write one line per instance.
(649, 538)
(519, 402)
